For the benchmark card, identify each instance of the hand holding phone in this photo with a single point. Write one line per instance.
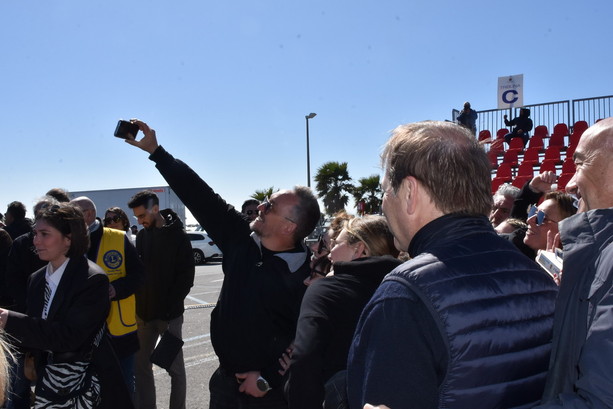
(126, 130)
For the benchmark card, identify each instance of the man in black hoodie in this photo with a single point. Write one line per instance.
(166, 253)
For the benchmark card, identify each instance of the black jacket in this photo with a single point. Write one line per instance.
(582, 353)
(255, 317)
(167, 255)
(328, 316)
(22, 263)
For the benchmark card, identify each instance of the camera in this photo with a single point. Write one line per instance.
(125, 128)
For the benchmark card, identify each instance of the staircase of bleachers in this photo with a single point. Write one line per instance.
(512, 163)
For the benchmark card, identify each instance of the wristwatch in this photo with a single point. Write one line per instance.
(263, 385)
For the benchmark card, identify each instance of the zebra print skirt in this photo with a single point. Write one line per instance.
(68, 385)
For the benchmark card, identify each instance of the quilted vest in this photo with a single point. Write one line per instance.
(496, 321)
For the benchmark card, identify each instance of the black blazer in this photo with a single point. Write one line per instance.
(78, 310)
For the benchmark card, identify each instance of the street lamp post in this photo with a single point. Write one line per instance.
(307, 117)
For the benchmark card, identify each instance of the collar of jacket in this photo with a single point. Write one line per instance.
(293, 260)
(448, 229)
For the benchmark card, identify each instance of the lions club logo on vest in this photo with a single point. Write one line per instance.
(113, 259)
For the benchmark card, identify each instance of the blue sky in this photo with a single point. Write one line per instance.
(227, 85)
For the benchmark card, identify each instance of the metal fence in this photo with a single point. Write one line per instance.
(548, 113)
(592, 109)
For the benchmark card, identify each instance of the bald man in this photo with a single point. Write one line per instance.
(582, 351)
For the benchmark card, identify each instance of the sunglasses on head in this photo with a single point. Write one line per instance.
(541, 217)
(109, 220)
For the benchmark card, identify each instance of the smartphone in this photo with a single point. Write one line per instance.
(124, 128)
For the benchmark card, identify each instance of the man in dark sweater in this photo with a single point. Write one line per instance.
(265, 263)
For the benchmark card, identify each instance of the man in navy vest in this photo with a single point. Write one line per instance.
(467, 321)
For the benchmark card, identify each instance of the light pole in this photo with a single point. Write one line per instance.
(307, 117)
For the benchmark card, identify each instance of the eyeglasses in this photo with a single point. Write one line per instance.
(250, 212)
(541, 217)
(114, 219)
(268, 206)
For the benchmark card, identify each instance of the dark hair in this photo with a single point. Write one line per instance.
(17, 210)
(59, 194)
(324, 265)
(44, 203)
(447, 160)
(249, 202)
(146, 198)
(564, 202)
(339, 219)
(306, 213)
(68, 220)
(122, 216)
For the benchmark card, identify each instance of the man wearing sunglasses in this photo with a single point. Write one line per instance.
(264, 263)
(582, 350)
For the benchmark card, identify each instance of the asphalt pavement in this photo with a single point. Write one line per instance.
(200, 359)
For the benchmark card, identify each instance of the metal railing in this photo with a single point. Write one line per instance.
(592, 109)
(548, 113)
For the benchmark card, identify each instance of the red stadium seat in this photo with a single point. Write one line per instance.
(504, 172)
(580, 127)
(560, 129)
(541, 131)
(497, 146)
(493, 156)
(557, 140)
(510, 157)
(553, 152)
(501, 133)
(520, 181)
(568, 166)
(485, 135)
(563, 180)
(570, 151)
(517, 144)
(525, 169)
(496, 182)
(536, 142)
(532, 156)
(548, 164)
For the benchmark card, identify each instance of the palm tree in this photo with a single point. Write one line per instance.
(263, 194)
(369, 191)
(333, 184)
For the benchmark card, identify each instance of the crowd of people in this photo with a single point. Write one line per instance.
(436, 303)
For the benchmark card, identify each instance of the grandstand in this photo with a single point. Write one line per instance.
(558, 127)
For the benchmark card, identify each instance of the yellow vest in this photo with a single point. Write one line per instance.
(111, 257)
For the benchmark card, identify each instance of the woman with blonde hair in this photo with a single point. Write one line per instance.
(362, 254)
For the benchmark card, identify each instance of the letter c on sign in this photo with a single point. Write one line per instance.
(505, 96)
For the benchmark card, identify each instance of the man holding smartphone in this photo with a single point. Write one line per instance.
(264, 264)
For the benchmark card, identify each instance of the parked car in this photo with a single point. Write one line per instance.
(203, 247)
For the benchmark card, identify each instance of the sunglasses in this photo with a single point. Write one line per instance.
(268, 206)
(541, 217)
(250, 212)
(109, 220)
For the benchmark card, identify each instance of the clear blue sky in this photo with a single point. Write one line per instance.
(227, 85)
